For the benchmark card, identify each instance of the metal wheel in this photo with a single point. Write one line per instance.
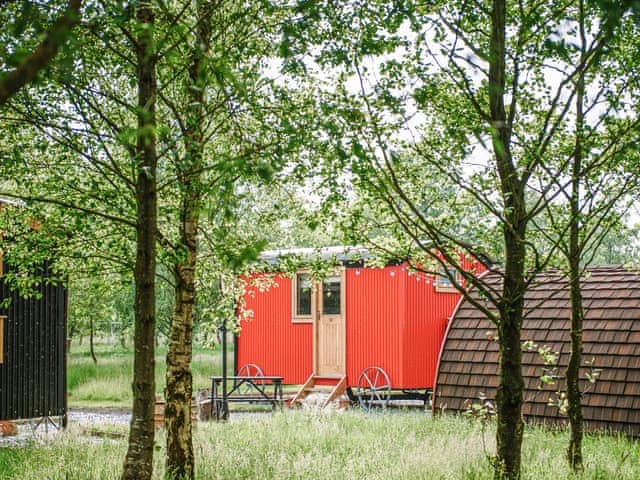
(374, 388)
(249, 370)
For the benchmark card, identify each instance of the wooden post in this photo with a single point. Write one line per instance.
(225, 404)
(1, 338)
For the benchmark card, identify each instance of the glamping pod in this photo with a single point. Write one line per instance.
(32, 350)
(611, 296)
(375, 332)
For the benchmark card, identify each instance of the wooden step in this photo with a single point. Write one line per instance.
(302, 392)
(320, 388)
(333, 391)
(338, 390)
(337, 376)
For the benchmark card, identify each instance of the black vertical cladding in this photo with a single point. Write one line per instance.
(33, 378)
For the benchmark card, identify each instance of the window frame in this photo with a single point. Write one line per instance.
(443, 284)
(295, 317)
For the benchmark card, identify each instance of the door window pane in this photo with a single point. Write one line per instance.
(331, 296)
(303, 294)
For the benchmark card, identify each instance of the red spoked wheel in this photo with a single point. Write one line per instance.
(373, 388)
(249, 370)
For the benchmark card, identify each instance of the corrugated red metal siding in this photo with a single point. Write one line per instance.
(376, 303)
(428, 313)
(427, 317)
(271, 340)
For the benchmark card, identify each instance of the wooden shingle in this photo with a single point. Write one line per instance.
(611, 297)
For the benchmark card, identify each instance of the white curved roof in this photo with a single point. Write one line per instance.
(339, 253)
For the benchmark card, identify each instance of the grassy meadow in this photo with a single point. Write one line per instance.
(108, 384)
(330, 445)
(300, 444)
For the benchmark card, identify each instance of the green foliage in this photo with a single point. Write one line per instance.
(69, 149)
(550, 374)
(26, 25)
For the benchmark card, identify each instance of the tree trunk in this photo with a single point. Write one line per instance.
(510, 389)
(574, 410)
(138, 463)
(72, 332)
(91, 349)
(180, 462)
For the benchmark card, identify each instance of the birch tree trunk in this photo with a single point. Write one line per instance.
(180, 461)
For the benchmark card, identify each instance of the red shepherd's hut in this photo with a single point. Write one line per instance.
(375, 329)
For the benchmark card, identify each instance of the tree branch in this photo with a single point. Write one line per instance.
(27, 71)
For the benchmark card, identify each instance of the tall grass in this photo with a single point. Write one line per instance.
(108, 384)
(323, 446)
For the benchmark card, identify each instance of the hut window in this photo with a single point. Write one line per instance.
(302, 297)
(443, 282)
(331, 295)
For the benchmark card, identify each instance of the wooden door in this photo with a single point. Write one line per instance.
(330, 326)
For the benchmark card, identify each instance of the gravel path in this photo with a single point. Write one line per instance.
(93, 417)
(27, 430)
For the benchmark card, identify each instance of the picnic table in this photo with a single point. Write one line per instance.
(252, 389)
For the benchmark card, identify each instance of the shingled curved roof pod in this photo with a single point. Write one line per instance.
(468, 362)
